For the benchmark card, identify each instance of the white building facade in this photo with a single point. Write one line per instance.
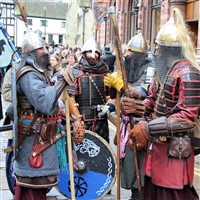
(48, 16)
(51, 29)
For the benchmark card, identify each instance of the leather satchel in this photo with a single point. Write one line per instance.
(180, 147)
(36, 161)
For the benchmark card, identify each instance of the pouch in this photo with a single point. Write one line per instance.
(180, 147)
(36, 161)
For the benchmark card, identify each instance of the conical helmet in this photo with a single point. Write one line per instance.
(168, 34)
(137, 43)
(91, 45)
(32, 41)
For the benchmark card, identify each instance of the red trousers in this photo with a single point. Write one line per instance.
(24, 193)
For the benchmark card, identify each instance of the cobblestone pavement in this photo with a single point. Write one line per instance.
(54, 194)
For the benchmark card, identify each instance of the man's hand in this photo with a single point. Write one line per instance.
(137, 92)
(132, 106)
(105, 109)
(114, 80)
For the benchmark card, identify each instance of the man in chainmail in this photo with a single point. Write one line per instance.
(35, 167)
(136, 65)
(173, 107)
(88, 89)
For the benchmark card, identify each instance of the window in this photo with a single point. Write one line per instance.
(50, 38)
(60, 39)
(63, 24)
(30, 22)
(155, 19)
(134, 17)
(43, 23)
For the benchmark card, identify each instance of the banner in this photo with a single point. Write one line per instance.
(5, 49)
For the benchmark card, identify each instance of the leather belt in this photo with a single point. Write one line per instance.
(47, 118)
(30, 115)
(163, 138)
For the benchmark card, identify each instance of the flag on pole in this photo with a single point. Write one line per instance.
(5, 49)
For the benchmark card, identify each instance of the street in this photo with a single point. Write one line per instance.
(54, 194)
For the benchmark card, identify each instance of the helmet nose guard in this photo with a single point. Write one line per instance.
(93, 46)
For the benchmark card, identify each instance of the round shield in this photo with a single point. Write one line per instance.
(95, 173)
(9, 171)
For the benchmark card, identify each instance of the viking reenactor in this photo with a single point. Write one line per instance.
(40, 147)
(136, 65)
(173, 102)
(88, 89)
(38, 159)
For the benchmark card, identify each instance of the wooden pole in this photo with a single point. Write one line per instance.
(69, 145)
(119, 57)
(118, 132)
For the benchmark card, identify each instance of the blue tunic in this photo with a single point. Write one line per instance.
(43, 98)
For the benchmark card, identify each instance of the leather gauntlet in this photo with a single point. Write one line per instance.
(137, 92)
(164, 126)
(141, 135)
(132, 106)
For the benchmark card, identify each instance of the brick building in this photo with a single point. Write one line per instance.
(149, 15)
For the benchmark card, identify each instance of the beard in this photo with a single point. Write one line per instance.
(41, 60)
(44, 60)
(92, 61)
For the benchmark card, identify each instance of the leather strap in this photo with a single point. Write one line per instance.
(28, 128)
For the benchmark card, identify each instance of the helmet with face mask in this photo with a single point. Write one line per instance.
(30, 47)
(169, 47)
(134, 62)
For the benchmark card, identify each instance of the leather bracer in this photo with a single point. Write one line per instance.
(164, 126)
(60, 86)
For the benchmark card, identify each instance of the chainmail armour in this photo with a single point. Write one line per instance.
(40, 62)
(96, 72)
(135, 66)
(167, 56)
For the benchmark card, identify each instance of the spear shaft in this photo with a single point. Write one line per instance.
(119, 54)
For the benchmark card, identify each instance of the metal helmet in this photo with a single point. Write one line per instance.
(91, 45)
(32, 41)
(168, 34)
(137, 43)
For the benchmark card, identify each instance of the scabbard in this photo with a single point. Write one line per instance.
(41, 147)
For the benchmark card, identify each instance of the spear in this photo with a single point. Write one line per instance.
(119, 57)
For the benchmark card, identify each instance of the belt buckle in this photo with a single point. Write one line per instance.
(163, 138)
